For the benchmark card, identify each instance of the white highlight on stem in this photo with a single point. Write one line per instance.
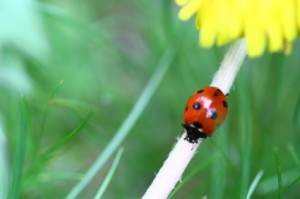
(171, 171)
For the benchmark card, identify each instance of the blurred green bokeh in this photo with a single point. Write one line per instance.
(62, 60)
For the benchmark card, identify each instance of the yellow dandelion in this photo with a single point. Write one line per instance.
(271, 24)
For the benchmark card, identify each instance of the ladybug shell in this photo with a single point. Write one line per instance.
(205, 110)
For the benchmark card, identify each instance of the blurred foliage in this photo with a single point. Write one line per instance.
(60, 61)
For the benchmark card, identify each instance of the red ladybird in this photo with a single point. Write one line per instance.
(204, 112)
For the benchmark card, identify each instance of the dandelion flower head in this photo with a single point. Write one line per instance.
(271, 24)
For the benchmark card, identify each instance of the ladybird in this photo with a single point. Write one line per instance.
(204, 112)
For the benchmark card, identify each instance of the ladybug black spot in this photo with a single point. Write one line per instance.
(197, 125)
(214, 115)
(197, 106)
(200, 91)
(225, 104)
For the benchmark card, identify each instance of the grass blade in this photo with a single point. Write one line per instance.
(254, 183)
(245, 132)
(45, 114)
(130, 120)
(219, 169)
(294, 155)
(19, 152)
(295, 181)
(296, 117)
(76, 105)
(109, 175)
(270, 184)
(280, 187)
(61, 142)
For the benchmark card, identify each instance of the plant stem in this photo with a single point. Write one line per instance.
(230, 65)
(170, 174)
(173, 168)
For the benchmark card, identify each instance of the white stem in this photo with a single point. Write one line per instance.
(174, 166)
(171, 171)
(230, 65)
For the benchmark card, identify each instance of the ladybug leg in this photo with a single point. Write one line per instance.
(190, 140)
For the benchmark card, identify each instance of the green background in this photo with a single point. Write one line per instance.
(69, 64)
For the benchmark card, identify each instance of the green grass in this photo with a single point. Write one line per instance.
(79, 80)
(280, 186)
(59, 144)
(246, 138)
(20, 151)
(109, 175)
(254, 184)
